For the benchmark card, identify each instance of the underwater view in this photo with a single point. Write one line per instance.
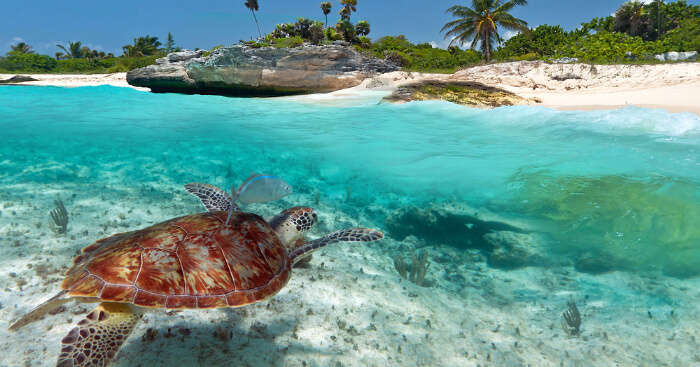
(511, 237)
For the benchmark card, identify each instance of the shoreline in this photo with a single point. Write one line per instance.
(565, 87)
(74, 80)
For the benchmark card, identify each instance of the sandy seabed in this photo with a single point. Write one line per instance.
(350, 307)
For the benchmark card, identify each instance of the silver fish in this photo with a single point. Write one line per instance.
(262, 189)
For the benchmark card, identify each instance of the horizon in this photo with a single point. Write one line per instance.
(225, 22)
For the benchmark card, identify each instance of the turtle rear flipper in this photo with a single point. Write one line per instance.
(349, 235)
(212, 197)
(41, 310)
(96, 339)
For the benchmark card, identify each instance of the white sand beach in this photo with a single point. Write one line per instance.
(673, 87)
(75, 80)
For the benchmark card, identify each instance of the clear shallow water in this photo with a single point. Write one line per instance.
(622, 184)
(585, 193)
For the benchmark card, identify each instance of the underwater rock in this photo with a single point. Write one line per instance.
(465, 93)
(451, 225)
(266, 71)
(595, 263)
(513, 250)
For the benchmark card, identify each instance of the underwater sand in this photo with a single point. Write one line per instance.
(118, 159)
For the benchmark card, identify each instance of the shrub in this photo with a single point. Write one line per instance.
(544, 41)
(289, 42)
(684, 38)
(346, 29)
(316, 33)
(27, 62)
(397, 57)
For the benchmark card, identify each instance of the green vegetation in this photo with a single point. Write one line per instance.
(77, 58)
(480, 23)
(423, 57)
(634, 34)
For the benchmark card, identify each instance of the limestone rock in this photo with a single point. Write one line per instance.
(18, 79)
(267, 71)
(461, 92)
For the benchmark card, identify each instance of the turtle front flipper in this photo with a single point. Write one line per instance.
(95, 340)
(212, 197)
(349, 235)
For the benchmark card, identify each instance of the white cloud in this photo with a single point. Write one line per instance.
(509, 34)
(17, 39)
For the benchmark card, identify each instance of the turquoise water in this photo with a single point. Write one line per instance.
(627, 181)
(584, 194)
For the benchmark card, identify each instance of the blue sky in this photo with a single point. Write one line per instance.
(107, 26)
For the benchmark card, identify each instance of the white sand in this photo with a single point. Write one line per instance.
(76, 80)
(673, 87)
(351, 308)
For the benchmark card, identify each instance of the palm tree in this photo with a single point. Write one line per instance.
(326, 9)
(253, 6)
(480, 23)
(362, 28)
(349, 6)
(73, 51)
(22, 48)
(143, 46)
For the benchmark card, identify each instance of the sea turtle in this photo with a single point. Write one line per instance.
(194, 261)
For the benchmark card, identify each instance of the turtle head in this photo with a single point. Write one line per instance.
(291, 225)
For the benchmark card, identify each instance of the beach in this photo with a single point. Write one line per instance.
(672, 87)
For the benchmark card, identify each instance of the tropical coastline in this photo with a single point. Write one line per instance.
(473, 186)
(672, 87)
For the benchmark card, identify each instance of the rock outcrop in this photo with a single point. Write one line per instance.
(18, 79)
(246, 71)
(466, 93)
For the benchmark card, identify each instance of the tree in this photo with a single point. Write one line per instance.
(326, 9)
(346, 29)
(143, 46)
(253, 6)
(74, 50)
(362, 28)
(481, 22)
(349, 6)
(22, 48)
(170, 44)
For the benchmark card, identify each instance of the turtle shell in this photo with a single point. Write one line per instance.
(193, 261)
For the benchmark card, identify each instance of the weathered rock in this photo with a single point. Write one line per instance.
(446, 224)
(18, 79)
(245, 71)
(514, 250)
(461, 92)
(677, 56)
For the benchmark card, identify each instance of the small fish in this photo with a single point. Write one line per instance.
(262, 189)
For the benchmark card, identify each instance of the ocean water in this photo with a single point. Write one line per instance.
(599, 195)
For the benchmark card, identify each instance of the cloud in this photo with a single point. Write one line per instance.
(17, 39)
(509, 34)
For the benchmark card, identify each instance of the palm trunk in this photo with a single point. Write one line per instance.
(326, 26)
(256, 22)
(487, 45)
